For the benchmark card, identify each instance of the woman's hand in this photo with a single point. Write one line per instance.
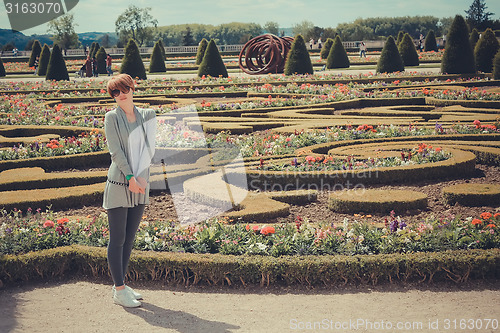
(136, 187)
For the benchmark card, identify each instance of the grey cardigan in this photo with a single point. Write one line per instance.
(118, 130)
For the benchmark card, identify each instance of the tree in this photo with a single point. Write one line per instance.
(57, 67)
(212, 64)
(390, 60)
(100, 57)
(486, 49)
(408, 51)
(401, 35)
(430, 43)
(272, 28)
(187, 39)
(136, 23)
(132, 62)
(458, 57)
(337, 57)
(105, 41)
(63, 32)
(157, 62)
(326, 48)
(473, 38)
(477, 16)
(496, 66)
(162, 49)
(201, 51)
(298, 60)
(2, 68)
(93, 49)
(35, 52)
(43, 63)
(304, 29)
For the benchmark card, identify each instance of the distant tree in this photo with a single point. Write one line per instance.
(337, 57)
(326, 48)
(212, 64)
(132, 62)
(100, 57)
(136, 23)
(43, 63)
(63, 32)
(473, 38)
(201, 51)
(496, 66)
(157, 63)
(35, 52)
(477, 16)
(187, 39)
(272, 27)
(486, 49)
(390, 60)
(304, 28)
(105, 41)
(430, 43)
(408, 51)
(298, 60)
(329, 33)
(56, 69)
(458, 57)
(2, 68)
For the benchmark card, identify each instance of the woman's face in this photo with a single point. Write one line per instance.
(122, 97)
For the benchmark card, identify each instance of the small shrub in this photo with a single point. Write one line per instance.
(132, 62)
(101, 61)
(202, 47)
(325, 51)
(43, 62)
(485, 51)
(212, 63)
(458, 57)
(56, 69)
(390, 60)
(36, 48)
(408, 51)
(157, 63)
(337, 57)
(400, 37)
(473, 38)
(430, 42)
(298, 60)
(496, 66)
(2, 68)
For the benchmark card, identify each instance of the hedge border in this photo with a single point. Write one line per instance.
(472, 194)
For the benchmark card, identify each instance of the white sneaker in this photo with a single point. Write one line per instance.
(135, 293)
(125, 298)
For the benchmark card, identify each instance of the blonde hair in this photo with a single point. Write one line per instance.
(120, 82)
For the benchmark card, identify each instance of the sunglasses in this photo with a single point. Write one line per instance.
(116, 92)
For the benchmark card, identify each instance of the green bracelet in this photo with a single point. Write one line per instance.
(128, 177)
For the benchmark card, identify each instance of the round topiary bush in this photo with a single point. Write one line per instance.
(377, 201)
(485, 51)
(496, 66)
(212, 63)
(337, 57)
(43, 63)
(202, 47)
(2, 68)
(56, 69)
(157, 63)
(325, 51)
(36, 48)
(408, 51)
(298, 60)
(430, 43)
(390, 59)
(472, 194)
(101, 60)
(473, 38)
(132, 62)
(458, 57)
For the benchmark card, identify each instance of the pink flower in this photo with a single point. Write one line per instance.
(48, 224)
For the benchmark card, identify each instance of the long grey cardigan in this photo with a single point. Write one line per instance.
(118, 131)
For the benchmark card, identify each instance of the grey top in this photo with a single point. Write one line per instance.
(123, 140)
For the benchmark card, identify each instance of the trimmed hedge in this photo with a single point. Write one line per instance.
(2, 68)
(430, 42)
(390, 59)
(337, 57)
(36, 48)
(201, 51)
(408, 51)
(100, 57)
(298, 60)
(212, 63)
(472, 194)
(56, 70)
(132, 62)
(325, 51)
(485, 51)
(44, 61)
(157, 62)
(458, 57)
(496, 66)
(214, 269)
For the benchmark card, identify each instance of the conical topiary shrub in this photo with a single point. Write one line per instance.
(2, 68)
(401, 35)
(162, 49)
(132, 62)
(100, 57)
(458, 57)
(430, 43)
(212, 64)
(36, 48)
(157, 62)
(485, 51)
(57, 67)
(325, 51)
(473, 38)
(496, 66)
(43, 64)
(298, 60)
(408, 51)
(94, 48)
(390, 60)
(201, 51)
(337, 57)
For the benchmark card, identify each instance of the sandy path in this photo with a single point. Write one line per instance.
(77, 306)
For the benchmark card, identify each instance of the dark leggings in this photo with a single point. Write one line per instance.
(123, 224)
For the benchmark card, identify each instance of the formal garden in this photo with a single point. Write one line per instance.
(306, 177)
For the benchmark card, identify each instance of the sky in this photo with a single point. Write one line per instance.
(100, 15)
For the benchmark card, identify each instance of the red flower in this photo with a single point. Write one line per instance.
(48, 224)
(267, 231)
(62, 221)
(491, 225)
(486, 215)
(476, 222)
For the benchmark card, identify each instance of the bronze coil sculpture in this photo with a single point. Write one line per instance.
(265, 54)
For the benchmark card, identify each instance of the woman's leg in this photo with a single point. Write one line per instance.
(134, 218)
(117, 218)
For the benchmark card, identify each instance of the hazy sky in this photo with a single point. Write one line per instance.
(100, 15)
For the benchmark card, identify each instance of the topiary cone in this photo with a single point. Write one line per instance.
(337, 57)
(298, 60)
(458, 57)
(132, 62)
(157, 63)
(201, 51)
(485, 51)
(408, 51)
(56, 69)
(390, 60)
(43, 63)
(212, 64)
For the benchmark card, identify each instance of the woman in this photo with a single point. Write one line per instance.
(130, 134)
